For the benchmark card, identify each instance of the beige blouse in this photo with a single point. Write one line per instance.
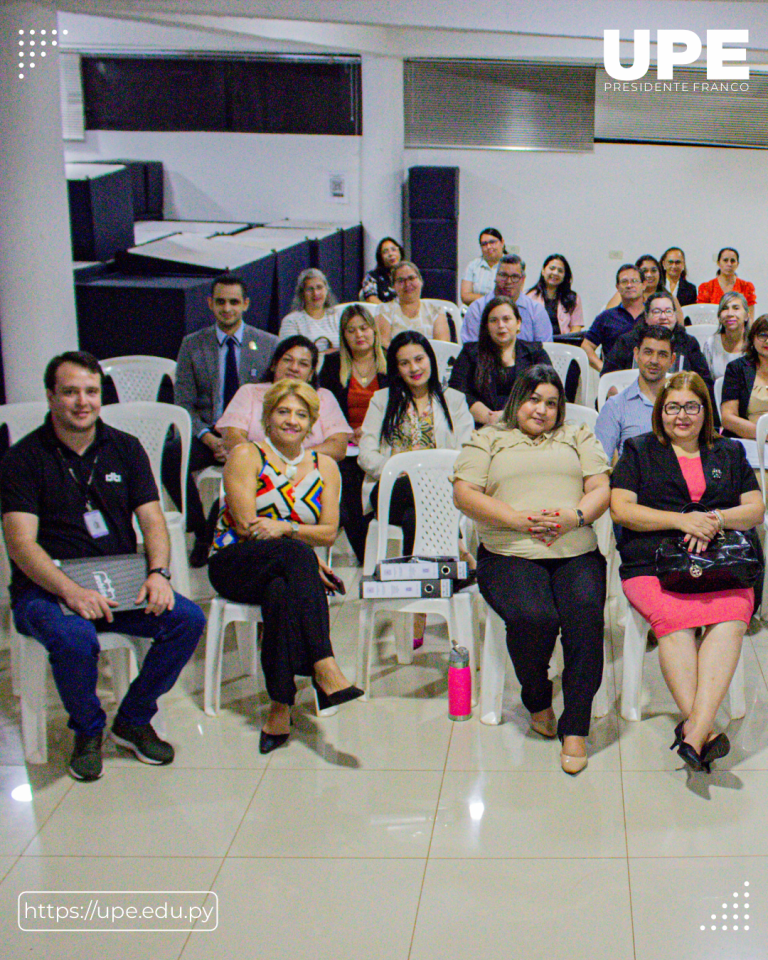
(758, 402)
(530, 474)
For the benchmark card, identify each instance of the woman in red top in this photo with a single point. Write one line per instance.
(353, 375)
(726, 281)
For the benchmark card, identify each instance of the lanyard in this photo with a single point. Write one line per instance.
(86, 488)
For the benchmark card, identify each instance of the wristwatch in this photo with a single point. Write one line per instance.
(580, 515)
(163, 571)
(294, 528)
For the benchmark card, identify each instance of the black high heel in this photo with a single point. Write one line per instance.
(325, 700)
(692, 758)
(718, 747)
(678, 735)
(271, 741)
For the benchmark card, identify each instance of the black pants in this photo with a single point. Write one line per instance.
(200, 457)
(352, 520)
(402, 511)
(281, 575)
(537, 599)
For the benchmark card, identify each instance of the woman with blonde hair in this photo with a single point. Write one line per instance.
(684, 482)
(353, 375)
(282, 501)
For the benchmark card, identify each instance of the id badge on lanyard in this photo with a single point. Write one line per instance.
(94, 520)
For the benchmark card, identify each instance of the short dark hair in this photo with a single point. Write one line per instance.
(653, 331)
(297, 340)
(524, 388)
(79, 358)
(230, 280)
(626, 266)
(513, 258)
(379, 262)
(660, 294)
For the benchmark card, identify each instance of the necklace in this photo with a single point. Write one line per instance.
(291, 466)
(363, 380)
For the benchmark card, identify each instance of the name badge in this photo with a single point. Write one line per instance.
(96, 524)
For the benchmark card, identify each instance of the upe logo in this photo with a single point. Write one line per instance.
(688, 50)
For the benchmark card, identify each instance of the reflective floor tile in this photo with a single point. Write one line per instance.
(340, 813)
(27, 799)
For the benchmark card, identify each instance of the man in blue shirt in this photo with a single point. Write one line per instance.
(628, 414)
(609, 325)
(510, 279)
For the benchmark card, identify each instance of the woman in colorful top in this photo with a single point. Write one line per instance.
(377, 284)
(409, 311)
(313, 312)
(353, 375)
(281, 501)
(480, 276)
(413, 413)
(726, 281)
(553, 292)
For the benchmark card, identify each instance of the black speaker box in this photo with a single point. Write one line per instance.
(440, 285)
(434, 244)
(101, 215)
(353, 263)
(433, 193)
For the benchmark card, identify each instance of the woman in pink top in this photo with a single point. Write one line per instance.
(295, 359)
(726, 281)
(553, 292)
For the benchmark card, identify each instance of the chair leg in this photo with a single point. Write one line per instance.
(369, 557)
(120, 662)
(494, 669)
(402, 625)
(13, 643)
(179, 563)
(34, 713)
(214, 646)
(632, 672)
(366, 624)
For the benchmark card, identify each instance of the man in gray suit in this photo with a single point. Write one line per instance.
(212, 364)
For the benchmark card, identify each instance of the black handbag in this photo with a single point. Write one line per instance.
(729, 562)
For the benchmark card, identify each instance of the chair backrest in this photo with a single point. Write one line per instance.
(719, 394)
(445, 354)
(150, 423)
(138, 377)
(702, 331)
(760, 438)
(437, 519)
(618, 379)
(699, 313)
(22, 418)
(451, 310)
(574, 413)
(372, 308)
(561, 355)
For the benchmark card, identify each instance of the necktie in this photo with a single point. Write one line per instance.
(231, 377)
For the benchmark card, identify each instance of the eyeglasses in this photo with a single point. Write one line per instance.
(489, 243)
(656, 312)
(691, 408)
(762, 337)
(407, 279)
(512, 277)
(629, 283)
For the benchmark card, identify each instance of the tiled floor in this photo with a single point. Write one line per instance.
(389, 832)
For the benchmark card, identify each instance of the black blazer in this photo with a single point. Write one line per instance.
(527, 353)
(651, 470)
(330, 378)
(686, 293)
(738, 383)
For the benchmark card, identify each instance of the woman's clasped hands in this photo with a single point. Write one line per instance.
(546, 525)
(699, 530)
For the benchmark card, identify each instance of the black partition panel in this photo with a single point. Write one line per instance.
(101, 215)
(328, 256)
(352, 254)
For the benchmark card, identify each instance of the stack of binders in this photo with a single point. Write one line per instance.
(413, 578)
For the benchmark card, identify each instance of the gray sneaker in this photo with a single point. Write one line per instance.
(144, 742)
(85, 763)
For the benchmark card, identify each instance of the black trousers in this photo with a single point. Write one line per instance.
(200, 457)
(402, 511)
(282, 576)
(537, 599)
(352, 520)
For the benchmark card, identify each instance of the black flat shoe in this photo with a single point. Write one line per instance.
(692, 758)
(271, 741)
(325, 700)
(717, 748)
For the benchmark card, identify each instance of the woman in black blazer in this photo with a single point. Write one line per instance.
(745, 385)
(681, 463)
(486, 371)
(673, 276)
(353, 375)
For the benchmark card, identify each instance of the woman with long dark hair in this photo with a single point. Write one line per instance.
(413, 413)
(485, 371)
(480, 276)
(745, 385)
(553, 291)
(377, 283)
(726, 281)
(674, 276)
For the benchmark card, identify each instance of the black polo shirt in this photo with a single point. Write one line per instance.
(35, 478)
(608, 326)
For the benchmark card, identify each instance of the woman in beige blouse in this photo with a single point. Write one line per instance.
(534, 485)
(409, 311)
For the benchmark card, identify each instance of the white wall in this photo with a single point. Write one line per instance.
(240, 176)
(632, 198)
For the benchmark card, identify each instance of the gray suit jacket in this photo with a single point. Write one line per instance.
(197, 370)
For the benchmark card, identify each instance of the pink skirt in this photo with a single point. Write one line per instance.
(667, 612)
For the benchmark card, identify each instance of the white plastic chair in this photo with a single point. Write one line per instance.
(437, 534)
(619, 379)
(372, 308)
(138, 377)
(150, 423)
(123, 652)
(495, 657)
(561, 355)
(451, 310)
(635, 634)
(445, 354)
(719, 395)
(699, 313)
(702, 331)
(575, 413)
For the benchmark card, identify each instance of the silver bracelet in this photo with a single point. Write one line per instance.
(720, 519)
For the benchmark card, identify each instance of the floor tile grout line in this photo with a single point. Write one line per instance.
(429, 847)
(45, 821)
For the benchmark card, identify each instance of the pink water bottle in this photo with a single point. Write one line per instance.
(459, 685)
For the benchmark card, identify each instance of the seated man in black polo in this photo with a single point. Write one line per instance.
(69, 490)
(660, 309)
(609, 325)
